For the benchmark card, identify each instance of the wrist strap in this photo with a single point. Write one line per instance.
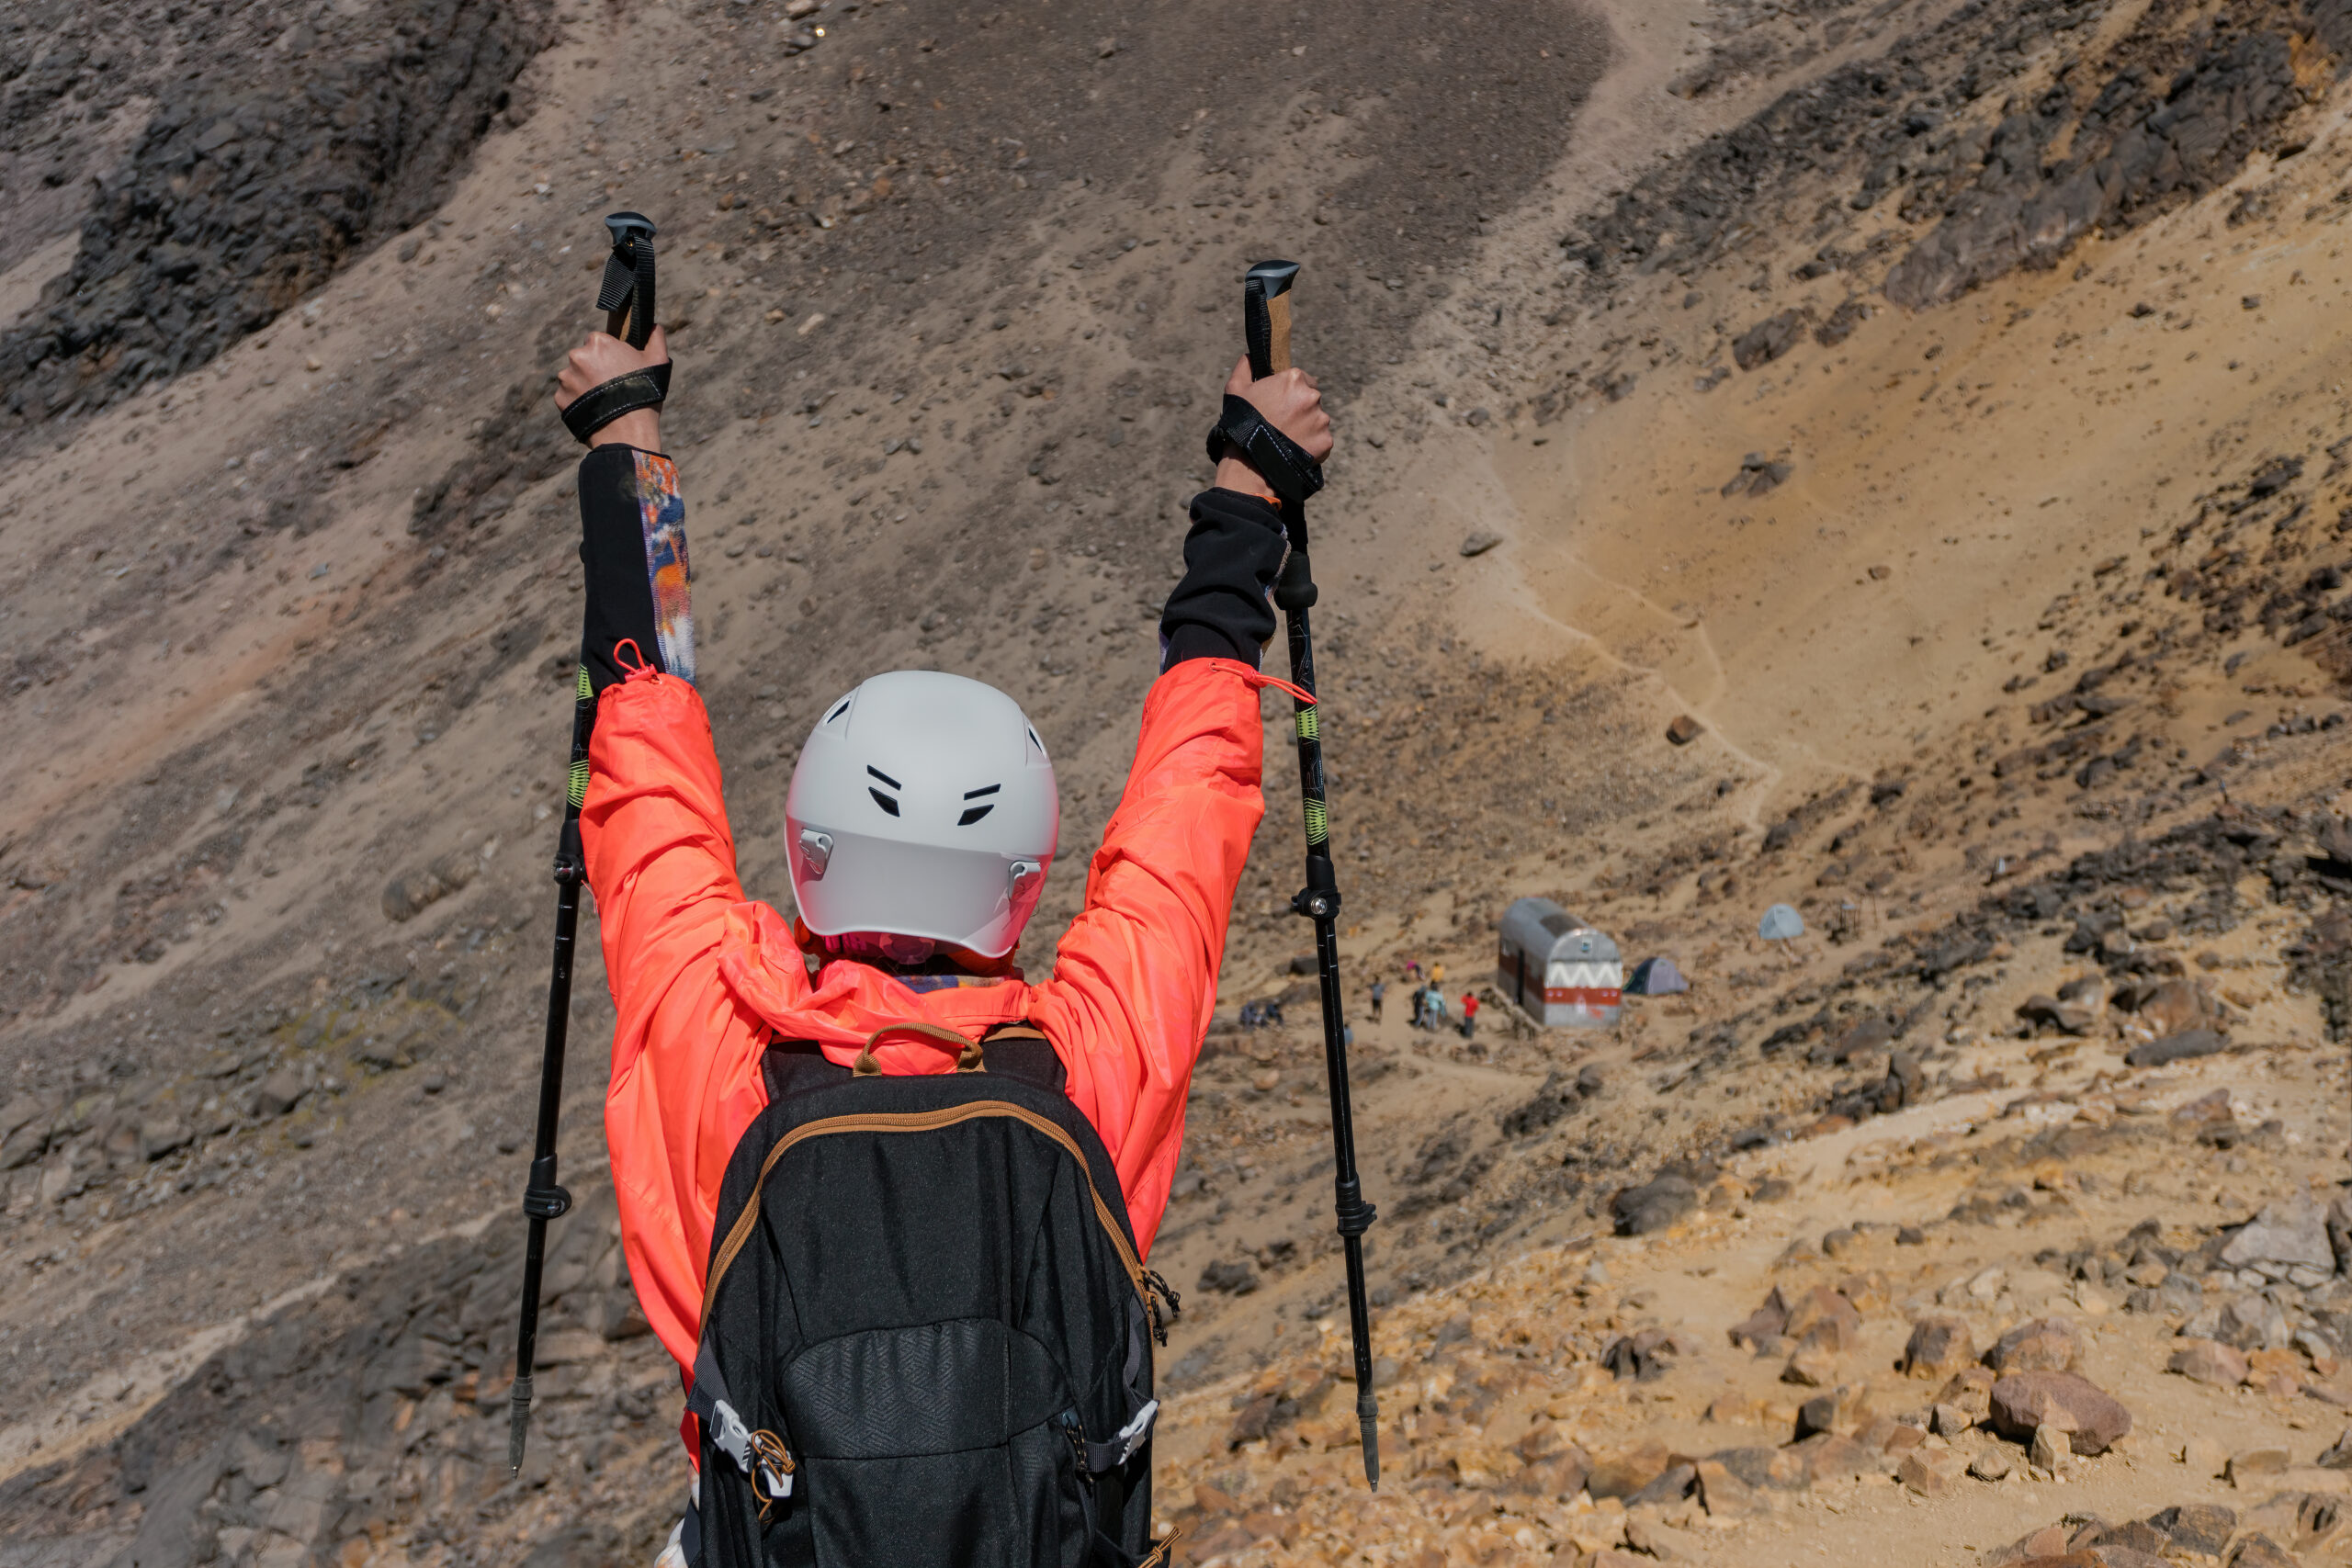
(599, 406)
(1281, 461)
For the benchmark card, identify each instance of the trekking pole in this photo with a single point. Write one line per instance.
(627, 297)
(1265, 310)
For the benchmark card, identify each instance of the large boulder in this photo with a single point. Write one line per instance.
(2023, 1401)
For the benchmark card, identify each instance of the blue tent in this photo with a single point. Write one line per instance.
(1655, 977)
(1781, 923)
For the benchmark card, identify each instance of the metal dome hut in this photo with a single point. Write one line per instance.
(1558, 969)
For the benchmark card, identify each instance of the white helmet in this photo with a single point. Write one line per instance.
(922, 806)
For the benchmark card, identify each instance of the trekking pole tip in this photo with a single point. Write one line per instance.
(518, 1424)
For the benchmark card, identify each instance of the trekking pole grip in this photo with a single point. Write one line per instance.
(1265, 316)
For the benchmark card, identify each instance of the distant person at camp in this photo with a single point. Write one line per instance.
(1420, 1002)
(1432, 1007)
(1469, 1014)
(981, 1351)
(1437, 973)
(1379, 990)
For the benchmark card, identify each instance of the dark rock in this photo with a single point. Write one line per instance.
(2258, 1550)
(1624, 1474)
(277, 1094)
(1653, 1206)
(1642, 1355)
(1751, 1465)
(1478, 541)
(1684, 730)
(167, 1528)
(2180, 1047)
(2200, 1527)
(1671, 1485)
(1939, 1346)
(213, 223)
(1769, 339)
(1235, 1277)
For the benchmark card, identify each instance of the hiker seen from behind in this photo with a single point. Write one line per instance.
(890, 1201)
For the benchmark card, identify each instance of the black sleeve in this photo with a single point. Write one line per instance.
(632, 548)
(1221, 609)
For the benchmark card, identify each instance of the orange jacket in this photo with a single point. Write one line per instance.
(703, 979)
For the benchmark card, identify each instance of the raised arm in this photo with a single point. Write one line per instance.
(1135, 980)
(660, 863)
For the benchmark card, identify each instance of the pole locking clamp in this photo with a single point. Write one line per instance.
(1316, 903)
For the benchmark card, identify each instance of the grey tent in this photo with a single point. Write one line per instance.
(1781, 923)
(1557, 968)
(1655, 977)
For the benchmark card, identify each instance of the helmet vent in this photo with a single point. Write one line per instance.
(884, 801)
(841, 707)
(974, 813)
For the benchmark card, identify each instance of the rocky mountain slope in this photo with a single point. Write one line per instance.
(1931, 413)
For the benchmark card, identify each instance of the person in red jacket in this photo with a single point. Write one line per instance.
(921, 825)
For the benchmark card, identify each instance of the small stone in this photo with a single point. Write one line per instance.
(2042, 1344)
(1662, 1541)
(2338, 1454)
(1684, 730)
(2050, 1540)
(1833, 1456)
(1948, 1420)
(2204, 1457)
(2258, 1550)
(1939, 1346)
(1825, 1317)
(2287, 1233)
(1625, 1472)
(2050, 1449)
(2184, 1047)
(2247, 1465)
(2024, 1402)
(2200, 1527)
(2208, 1361)
(1725, 1495)
(277, 1094)
(1970, 1391)
(1993, 1464)
(1653, 1205)
(1931, 1473)
(1670, 1486)
(1812, 1366)
(1478, 541)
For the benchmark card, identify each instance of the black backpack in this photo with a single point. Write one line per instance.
(927, 1336)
